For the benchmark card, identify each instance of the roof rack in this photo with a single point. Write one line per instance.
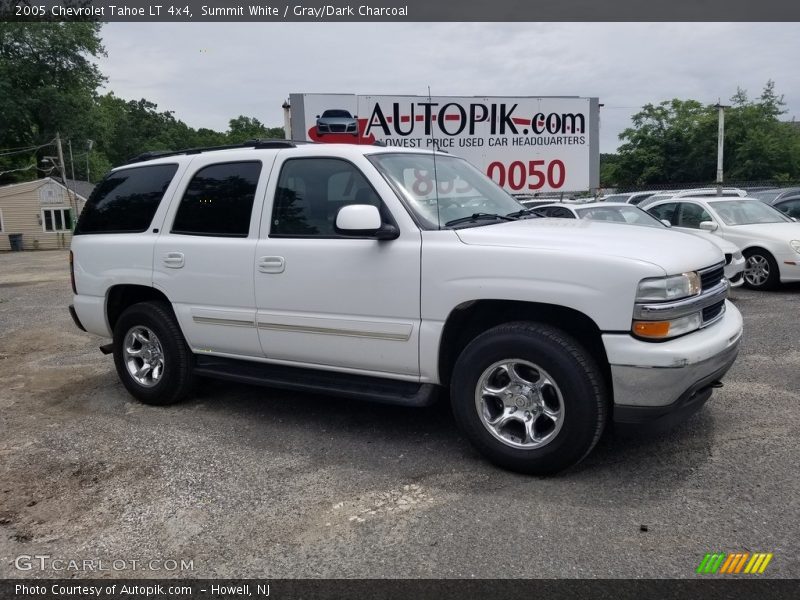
(258, 144)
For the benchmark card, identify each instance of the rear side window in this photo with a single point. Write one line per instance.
(126, 200)
(219, 200)
(664, 212)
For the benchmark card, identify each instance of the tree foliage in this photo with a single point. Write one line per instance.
(675, 142)
(49, 83)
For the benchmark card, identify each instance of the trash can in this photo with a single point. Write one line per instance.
(15, 240)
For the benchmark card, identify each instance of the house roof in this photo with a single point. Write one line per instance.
(81, 188)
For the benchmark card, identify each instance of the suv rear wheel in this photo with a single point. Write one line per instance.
(529, 397)
(150, 354)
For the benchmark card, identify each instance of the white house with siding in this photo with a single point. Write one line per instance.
(43, 211)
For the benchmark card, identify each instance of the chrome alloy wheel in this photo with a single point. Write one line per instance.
(143, 356)
(756, 270)
(519, 403)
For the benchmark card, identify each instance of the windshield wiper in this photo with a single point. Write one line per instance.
(524, 212)
(478, 216)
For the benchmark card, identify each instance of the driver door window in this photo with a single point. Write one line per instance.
(691, 215)
(310, 193)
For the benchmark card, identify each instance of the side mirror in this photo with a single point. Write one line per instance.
(666, 223)
(708, 226)
(364, 220)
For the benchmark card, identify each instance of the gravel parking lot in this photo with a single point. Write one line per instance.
(252, 482)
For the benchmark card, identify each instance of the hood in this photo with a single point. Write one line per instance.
(673, 251)
(777, 232)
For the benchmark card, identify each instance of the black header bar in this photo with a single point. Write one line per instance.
(400, 10)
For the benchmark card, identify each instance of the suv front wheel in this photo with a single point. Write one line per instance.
(529, 397)
(150, 354)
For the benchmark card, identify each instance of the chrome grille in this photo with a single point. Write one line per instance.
(710, 313)
(711, 276)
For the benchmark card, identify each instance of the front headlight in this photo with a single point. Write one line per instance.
(795, 244)
(657, 289)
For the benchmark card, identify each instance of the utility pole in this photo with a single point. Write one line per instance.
(71, 162)
(720, 143)
(89, 144)
(70, 197)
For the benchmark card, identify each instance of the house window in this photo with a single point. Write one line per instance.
(57, 219)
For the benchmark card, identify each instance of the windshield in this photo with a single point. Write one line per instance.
(445, 191)
(337, 114)
(747, 212)
(619, 214)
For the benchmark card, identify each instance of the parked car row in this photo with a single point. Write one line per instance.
(761, 229)
(769, 240)
(619, 212)
(786, 200)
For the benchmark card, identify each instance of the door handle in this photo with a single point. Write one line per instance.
(271, 264)
(173, 260)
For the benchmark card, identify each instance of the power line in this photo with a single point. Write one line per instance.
(10, 151)
(28, 168)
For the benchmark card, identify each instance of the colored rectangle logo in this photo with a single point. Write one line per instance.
(734, 563)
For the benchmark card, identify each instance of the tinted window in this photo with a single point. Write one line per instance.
(691, 215)
(558, 212)
(126, 200)
(790, 208)
(311, 192)
(663, 212)
(337, 114)
(219, 200)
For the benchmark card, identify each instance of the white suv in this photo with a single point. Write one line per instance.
(390, 274)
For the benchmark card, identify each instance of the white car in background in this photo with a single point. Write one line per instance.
(627, 197)
(769, 240)
(619, 212)
(692, 193)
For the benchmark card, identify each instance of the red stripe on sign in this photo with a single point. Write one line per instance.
(452, 117)
(405, 119)
(388, 119)
(521, 121)
(420, 117)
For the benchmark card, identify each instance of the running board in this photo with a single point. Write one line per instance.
(373, 389)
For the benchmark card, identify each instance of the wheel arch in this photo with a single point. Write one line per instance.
(120, 297)
(469, 319)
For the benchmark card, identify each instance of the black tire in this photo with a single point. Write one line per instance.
(759, 261)
(176, 376)
(565, 363)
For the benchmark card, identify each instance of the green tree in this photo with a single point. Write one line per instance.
(47, 84)
(758, 145)
(675, 142)
(242, 129)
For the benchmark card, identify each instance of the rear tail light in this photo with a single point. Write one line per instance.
(72, 272)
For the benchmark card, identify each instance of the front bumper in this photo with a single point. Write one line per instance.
(651, 380)
(734, 272)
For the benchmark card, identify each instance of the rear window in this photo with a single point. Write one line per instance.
(219, 200)
(126, 200)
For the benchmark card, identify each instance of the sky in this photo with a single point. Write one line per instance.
(209, 73)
